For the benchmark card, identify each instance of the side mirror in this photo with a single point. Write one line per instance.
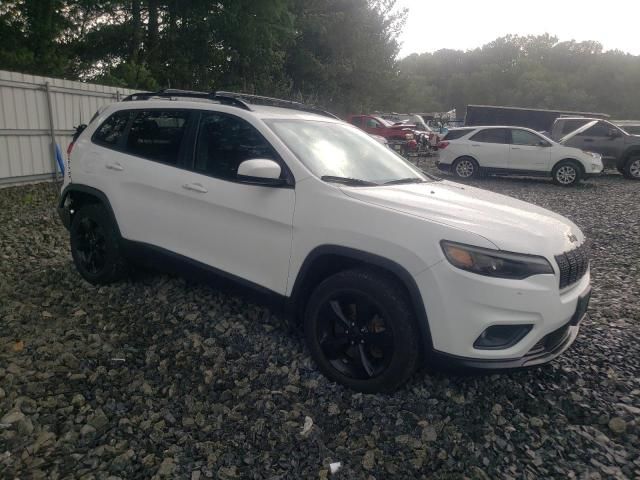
(614, 133)
(542, 143)
(260, 171)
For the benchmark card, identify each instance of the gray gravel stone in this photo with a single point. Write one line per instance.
(160, 376)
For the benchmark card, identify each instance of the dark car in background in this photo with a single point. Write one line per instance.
(619, 149)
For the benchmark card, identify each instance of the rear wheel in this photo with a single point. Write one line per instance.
(95, 246)
(631, 169)
(465, 167)
(361, 331)
(566, 173)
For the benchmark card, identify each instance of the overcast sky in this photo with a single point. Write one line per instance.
(467, 24)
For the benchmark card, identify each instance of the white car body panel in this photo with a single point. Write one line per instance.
(264, 234)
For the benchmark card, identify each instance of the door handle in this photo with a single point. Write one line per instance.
(115, 166)
(588, 139)
(475, 145)
(195, 187)
(516, 148)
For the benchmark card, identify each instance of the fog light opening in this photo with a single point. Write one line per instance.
(501, 336)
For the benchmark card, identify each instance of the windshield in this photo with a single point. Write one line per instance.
(338, 150)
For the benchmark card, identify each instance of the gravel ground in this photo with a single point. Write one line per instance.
(162, 377)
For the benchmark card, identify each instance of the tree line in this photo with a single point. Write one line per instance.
(342, 54)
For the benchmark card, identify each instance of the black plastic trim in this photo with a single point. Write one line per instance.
(447, 360)
(384, 263)
(63, 210)
(150, 254)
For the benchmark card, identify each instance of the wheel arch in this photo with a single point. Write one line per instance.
(629, 153)
(572, 160)
(326, 260)
(466, 155)
(75, 196)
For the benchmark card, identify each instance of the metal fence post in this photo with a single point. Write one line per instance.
(51, 132)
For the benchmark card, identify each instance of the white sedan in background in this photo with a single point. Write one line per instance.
(470, 151)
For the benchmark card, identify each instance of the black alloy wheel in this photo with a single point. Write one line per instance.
(95, 245)
(354, 336)
(91, 246)
(361, 330)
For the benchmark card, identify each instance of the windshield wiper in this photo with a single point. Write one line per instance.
(348, 181)
(405, 180)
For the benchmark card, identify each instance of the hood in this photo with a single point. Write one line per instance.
(510, 224)
(584, 127)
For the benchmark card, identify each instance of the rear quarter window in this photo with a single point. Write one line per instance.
(112, 129)
(455, 134)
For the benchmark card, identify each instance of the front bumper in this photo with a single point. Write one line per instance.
(461, 305)
(548, 348)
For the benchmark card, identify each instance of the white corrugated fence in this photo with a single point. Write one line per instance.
(34, 109)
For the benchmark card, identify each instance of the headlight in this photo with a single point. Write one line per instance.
(494, 263)
(408, 136)
(592, 154)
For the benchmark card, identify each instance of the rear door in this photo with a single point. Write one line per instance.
(141, 168)
(528, 151)
(490, 147)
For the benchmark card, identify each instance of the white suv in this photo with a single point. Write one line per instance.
(470, 151)
(385, 267)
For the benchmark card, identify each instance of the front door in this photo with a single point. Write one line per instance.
(236, 227)
(528, 152)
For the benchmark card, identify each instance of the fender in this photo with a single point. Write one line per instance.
(65, 213)
(360, 256)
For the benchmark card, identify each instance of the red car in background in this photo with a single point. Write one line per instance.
(400, 137)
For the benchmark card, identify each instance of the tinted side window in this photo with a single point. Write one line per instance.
(112, 129)
(491, 135)
(455, 134)
(522, 137)
(371, 123)
(225, 141)
(600, 129)
(157, 134)
(357, 121)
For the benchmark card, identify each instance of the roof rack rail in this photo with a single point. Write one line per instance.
(240, 100)
(173, 93)
(273, 102)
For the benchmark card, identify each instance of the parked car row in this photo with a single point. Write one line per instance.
(578, 147)
(407, 137)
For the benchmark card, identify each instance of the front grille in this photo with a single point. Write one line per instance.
(573, 265)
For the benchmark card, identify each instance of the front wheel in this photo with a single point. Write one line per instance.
(361, 331)
(631, 169)
(566, 173)
(465, 167)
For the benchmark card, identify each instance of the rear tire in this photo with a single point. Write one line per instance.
(361, 331)
(631, 169)
(95, 246)
(567, 173)
(465, 168)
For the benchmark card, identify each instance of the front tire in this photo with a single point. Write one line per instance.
(465, 168)
(95, 246)
(361, 331)
(566, 173)
(631, 169)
